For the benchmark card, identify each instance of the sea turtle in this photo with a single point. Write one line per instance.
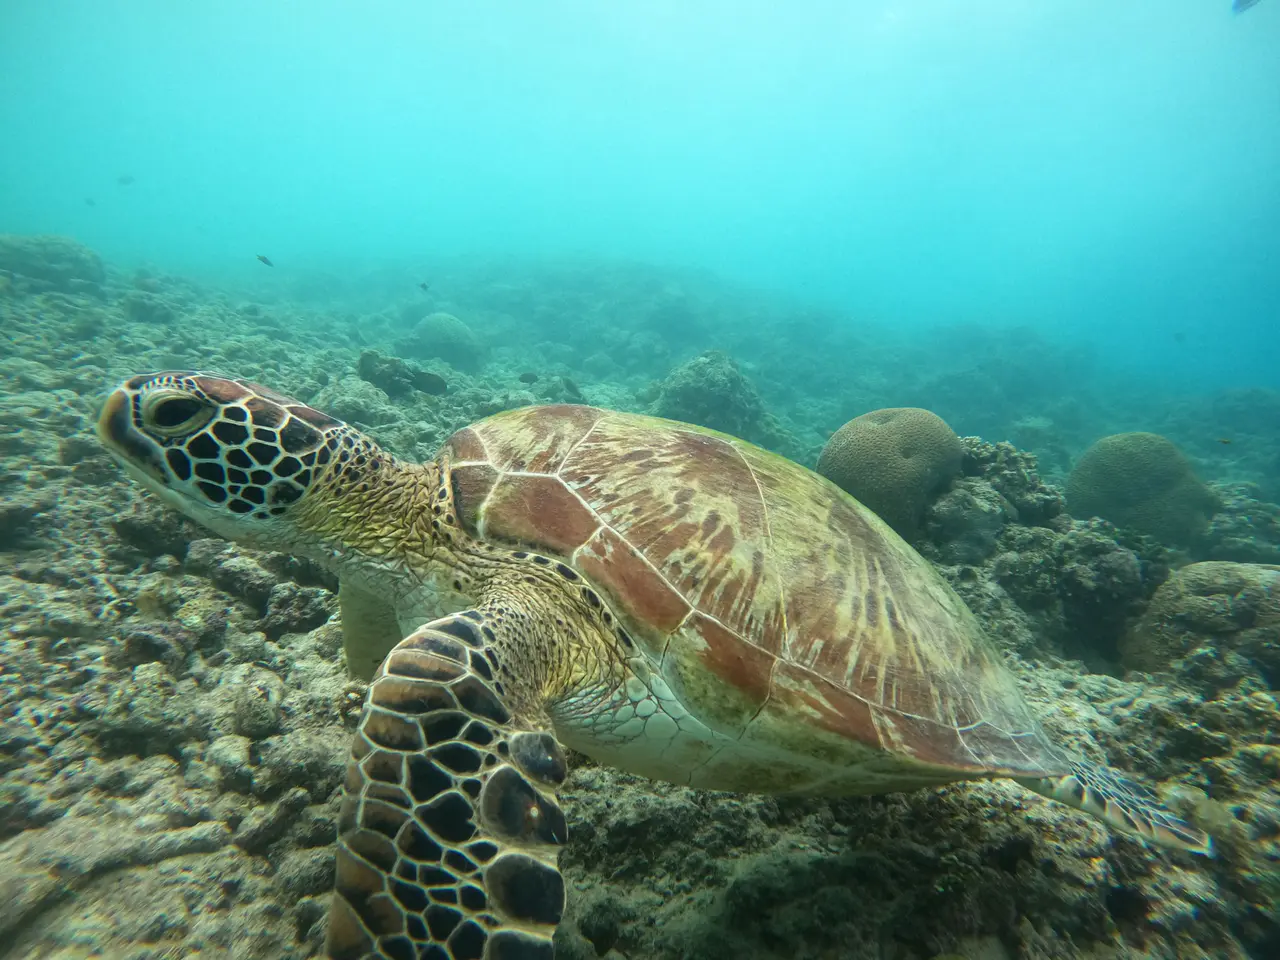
(661, 597)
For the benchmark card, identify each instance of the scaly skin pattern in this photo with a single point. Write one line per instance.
(450, 828)
(664, 598)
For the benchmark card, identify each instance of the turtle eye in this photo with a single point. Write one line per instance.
(175, 414)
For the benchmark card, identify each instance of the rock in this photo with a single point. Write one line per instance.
(205, 618)
(1026, 566)
(96, 471)
(711, 391)
(230, 756)
(204, 554)
(1079, 585)
(311, 919)
(1228, 608)
(245, 578)
(966, 521)
(1101, 584)
(20, 521)
(398, 378)
(154, 530)
(315, 827)
(23, 806)
(601, 915)
(256, 707)
(1246, 528)
(268, 824)
(295, 609)
(316, 760)
(77, 448)
(51, 263)
(246, 647)
(306, 873)
(1014, 474)
(44, 866)
(354, 401)
(142, 307)
(149, 712)
(148, 641)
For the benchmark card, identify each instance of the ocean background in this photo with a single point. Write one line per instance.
(1047, 222)
(1104, 173)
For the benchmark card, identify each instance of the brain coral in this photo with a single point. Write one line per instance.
(1143, 482)
(892, 460)
(443, 336)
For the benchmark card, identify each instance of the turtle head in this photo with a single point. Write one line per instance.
(237, 458)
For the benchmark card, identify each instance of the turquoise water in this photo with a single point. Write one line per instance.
(1102, 171)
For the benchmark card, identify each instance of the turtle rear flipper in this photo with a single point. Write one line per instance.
(450, 828)
(1122, 805)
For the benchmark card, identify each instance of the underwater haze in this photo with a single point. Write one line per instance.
(1108, 172)
(828, 453)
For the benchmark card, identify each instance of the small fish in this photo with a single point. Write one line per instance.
(1180, 337)
(1224, 440)
(124, 179)
(528, 377)
(424, 286)
(266, 260)
(431, 383)
(1240, 6)
(90, 202)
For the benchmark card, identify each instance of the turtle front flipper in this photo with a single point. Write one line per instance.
(450, 829)
(369, 629)
(1121, 804)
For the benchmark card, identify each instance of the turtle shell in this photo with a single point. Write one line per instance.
(776, 607)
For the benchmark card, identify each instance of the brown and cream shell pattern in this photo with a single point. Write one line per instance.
(780, 609)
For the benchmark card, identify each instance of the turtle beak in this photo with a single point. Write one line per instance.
(122, 439)
(114, 419)
(115, 425)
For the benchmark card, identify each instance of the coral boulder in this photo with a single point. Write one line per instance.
(396, 377)
(1143, 482)
(50, 263)
(893, 461)
(1215, 611)
(444, 337)
(711, 391)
